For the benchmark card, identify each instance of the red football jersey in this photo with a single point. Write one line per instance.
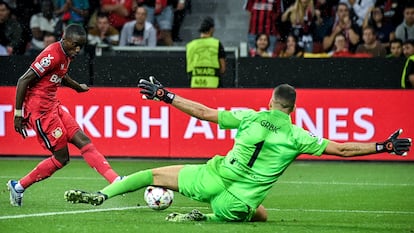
(115, 19)
(51, 65)
(263, 16)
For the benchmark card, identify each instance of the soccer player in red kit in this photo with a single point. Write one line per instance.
(55, 128)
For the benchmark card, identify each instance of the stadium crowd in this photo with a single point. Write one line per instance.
(26, 27)
(277, 28)
(334, 28)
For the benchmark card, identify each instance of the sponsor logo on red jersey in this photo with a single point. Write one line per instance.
(44, 62)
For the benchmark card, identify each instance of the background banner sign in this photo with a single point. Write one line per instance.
(122, 124)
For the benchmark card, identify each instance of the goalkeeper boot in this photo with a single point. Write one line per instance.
(78, 196)
(16, 196)
(194, 215)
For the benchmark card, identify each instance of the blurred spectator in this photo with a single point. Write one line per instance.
(300, 17)
(12, 5)
(358, 9)
(343, 25)
(40, 24)
(120, 11)
(283, 28)
(23, 12)
(383, 29)
(48, 39)
(262, 44)
(324, 16)
(396, 50)
(405, 30)
(371, 45)
(103, 33)
(340, 47)
(180, 10)
(139, 32)
(393, 10)
(11, 32)
(205, 57)
(285, 4)
(3, 51)
(161, 14)
(408, 48)
(263, 18)
(407, 77)
(73, 11)
(292, 48)
(94, 9)
(94, 6)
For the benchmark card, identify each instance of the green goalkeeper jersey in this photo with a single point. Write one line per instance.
(264, 146)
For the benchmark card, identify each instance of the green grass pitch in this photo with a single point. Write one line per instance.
(310, 197)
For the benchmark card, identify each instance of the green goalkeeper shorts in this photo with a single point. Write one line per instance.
(201, 183)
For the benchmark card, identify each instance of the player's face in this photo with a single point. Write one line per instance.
(74, 45)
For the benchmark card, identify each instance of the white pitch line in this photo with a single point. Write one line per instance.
(70, 212)
(140, 207)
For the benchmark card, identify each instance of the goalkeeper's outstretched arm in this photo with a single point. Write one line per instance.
(195, 109)
(350, 149)
(393, 145)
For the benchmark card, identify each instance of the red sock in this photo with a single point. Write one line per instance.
(97, 161)
(42, 171)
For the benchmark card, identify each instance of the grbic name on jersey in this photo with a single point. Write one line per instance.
(269, 126)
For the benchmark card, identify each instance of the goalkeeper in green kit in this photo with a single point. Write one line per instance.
(235, 185)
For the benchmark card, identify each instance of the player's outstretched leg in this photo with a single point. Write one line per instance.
(194, 215)
(78, 196)
(16, 198)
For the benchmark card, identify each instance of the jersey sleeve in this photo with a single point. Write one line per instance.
(309, 143)
(232, 119)
(222, 52)
(44, 63)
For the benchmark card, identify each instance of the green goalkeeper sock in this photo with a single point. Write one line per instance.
(129, 184)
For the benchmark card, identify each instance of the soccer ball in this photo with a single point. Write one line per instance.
(158, 198)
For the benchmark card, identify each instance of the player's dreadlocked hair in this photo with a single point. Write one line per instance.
(73, 30)
(285, 95)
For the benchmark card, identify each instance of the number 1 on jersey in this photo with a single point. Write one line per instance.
(256, 152)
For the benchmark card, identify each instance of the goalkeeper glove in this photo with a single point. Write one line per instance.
(154, 90)
(395, 145)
